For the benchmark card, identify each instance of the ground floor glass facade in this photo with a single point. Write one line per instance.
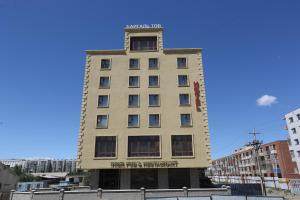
(147, 178)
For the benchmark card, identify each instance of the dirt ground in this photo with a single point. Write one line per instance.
(282, 193)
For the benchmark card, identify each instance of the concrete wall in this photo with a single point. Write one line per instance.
(141, 194)
(270, 182)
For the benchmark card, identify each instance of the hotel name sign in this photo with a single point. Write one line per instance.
(197, 95)
(145, 164)
(143, 26)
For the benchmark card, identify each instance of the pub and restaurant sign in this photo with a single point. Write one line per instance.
(145, 164)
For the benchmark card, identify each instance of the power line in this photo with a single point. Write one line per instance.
(256, 144)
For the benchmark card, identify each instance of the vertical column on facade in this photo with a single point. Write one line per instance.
(204, 107)
(163, 178)
(194, 178)
(125, 178)
(94, 178)
(83, 109)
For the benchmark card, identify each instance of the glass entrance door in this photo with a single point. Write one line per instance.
(109, 179)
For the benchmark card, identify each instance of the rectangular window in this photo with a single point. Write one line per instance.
(153, 63)
(134, 81)
(292, 153)
(134, 63)
(291, 119)
(154, 100)
(105, 146)
(181, 63)
(133, 120)
(103, 101)
(133, 100)
(153, 81)
(298, 116)
(154, 120)
(143, 146)
(185, 120)
(182, 145)
(105, 64)
(143, 43)
(184, 99)
(296, 141)
(104, 82)
(294, 131)
(183, 81)
(102, 121)
(298, 153)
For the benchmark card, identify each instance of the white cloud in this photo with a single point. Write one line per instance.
(266, 100)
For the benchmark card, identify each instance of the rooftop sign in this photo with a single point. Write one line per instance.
(143, 26)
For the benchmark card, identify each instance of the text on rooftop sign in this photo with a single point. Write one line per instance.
(138, 26)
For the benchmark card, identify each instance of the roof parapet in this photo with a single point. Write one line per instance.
(106, 52)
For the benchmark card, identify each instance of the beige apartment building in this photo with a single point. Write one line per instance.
(144, 119)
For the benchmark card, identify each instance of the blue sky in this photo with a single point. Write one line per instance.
(250, 49)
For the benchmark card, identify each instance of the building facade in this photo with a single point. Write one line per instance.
(144, 119)
(274, 160)
(293, 127)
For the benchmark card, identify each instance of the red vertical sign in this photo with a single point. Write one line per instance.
(197, 95)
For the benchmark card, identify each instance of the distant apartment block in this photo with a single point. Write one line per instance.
(273, 158)
(293, 126)
(42, 165)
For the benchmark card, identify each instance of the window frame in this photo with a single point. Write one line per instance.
(108, 100)
(191, 120)
(158, 81)
(187, 80)
(116, 148)
(186, 62)
(108, 82)
(159, 120)
(157, 47)
(158, 105)
(110, 64)
(193, 146)
(133, 86)
(139, 63)
(184, 105)
(130, 106)
(157, 67)
(138, 124)
(145, 157)
(107, 119)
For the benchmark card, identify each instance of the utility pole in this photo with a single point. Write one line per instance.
(255, 143)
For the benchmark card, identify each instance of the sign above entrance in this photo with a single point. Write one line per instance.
(145, 164)
(143, 26)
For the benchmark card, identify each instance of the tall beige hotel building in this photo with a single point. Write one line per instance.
(143, 118)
